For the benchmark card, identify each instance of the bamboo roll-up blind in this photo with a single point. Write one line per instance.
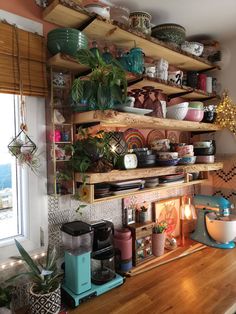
(22, 62)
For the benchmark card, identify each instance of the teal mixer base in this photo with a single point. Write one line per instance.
(74, 300)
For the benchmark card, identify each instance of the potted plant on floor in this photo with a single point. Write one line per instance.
(158, 238)
(45, 295)
(5, 300)
(105, 87)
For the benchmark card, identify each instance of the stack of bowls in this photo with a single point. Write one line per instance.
(66, 40)
(145, 157)
(162, 150)
(186, 154)
(195, 111)
(205, 151)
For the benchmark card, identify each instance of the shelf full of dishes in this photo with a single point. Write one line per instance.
(105, 191)
(167, 41)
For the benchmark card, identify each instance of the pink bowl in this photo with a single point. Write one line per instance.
(194, 115)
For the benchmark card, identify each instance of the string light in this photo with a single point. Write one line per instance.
(19, 262)
(226, 113)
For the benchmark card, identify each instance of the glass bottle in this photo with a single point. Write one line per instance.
(95, 49)
(107, 56)
(122, 58)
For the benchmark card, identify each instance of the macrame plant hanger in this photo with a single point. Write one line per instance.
(22, 147)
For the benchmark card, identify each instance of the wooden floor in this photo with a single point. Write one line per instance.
(204, 282)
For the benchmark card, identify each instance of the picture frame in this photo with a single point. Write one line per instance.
(168, 210)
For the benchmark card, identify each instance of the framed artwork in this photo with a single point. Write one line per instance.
(168, 210)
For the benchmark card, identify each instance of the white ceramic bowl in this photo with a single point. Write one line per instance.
(177, 112)
(167, 155)
(223, 230)
(192, 47)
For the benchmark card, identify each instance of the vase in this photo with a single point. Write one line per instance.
(158, 243)
(49, 303)
(142, 217)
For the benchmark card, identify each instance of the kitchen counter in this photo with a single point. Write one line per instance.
(204, 282)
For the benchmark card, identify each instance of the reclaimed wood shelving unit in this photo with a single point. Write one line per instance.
(97, 28)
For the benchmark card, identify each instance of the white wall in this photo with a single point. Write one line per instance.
(226, 140)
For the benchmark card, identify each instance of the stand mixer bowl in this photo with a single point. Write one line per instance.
(221, 228)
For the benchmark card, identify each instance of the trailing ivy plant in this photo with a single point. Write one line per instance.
(105, 86)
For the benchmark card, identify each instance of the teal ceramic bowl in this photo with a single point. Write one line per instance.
(170, 33)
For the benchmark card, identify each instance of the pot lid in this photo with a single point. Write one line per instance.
(76, 228)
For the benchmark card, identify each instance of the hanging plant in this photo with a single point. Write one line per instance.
(24, 149)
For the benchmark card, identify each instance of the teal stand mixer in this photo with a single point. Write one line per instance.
(83, 282)
(215, 227)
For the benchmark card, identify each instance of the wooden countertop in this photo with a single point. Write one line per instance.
(204, 282)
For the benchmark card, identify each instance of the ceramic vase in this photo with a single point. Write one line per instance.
(49, 303)
(142, 217)
(140, 21)
(158, 243)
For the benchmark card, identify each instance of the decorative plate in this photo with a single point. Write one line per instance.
(155, 135)
(173, 136)
(135, 110)
(134, 138)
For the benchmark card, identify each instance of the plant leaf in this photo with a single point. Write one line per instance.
(27, 258)
(86, 57)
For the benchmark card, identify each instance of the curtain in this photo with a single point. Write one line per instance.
(22, 62)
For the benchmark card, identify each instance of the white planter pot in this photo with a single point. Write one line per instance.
(49, 303)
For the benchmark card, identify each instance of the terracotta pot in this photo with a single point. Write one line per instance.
(158, 243)
(49, 303)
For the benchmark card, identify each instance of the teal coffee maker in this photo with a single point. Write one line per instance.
(78, 285)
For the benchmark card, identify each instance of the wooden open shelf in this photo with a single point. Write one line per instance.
(112, 118)
(147, 190)
(99, 29)
(63, 61)
(121, 175)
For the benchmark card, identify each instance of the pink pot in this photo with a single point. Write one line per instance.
(158, 243)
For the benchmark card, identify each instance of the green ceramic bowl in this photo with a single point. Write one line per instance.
(196, 105)
(171, 33)
(69, 47)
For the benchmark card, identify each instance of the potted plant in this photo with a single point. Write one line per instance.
(45, 296)
(105, 87)
(158, 238)
(5, 300)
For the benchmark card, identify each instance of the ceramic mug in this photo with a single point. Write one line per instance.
(175, 77)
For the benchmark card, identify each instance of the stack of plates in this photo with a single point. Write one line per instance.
(146, 158)
(126, 186)
(66, 40)
(171, 179)
(102, 190)
(151, 182)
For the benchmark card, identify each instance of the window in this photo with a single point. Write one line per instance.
(28, 193)
(23, 198)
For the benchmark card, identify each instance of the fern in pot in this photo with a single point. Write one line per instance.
(45, 295)
(105, 87)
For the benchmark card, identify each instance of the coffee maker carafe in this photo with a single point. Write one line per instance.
(103, 254)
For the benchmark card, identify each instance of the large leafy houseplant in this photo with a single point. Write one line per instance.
(105, 87)
(46, 281)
